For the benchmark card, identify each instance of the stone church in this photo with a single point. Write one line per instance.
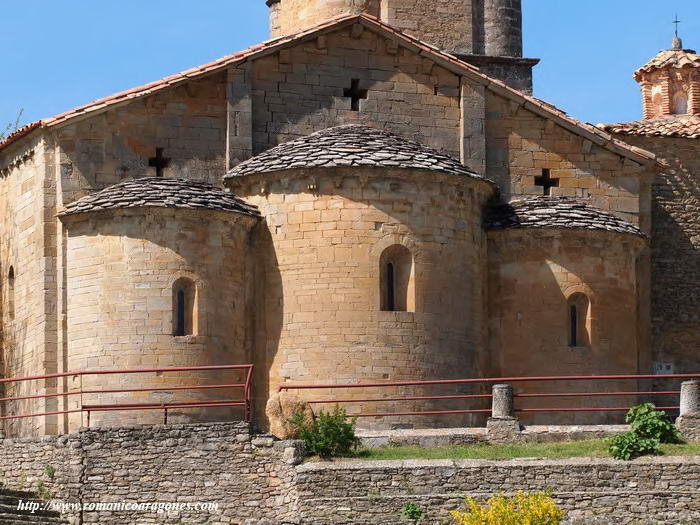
(371, 195)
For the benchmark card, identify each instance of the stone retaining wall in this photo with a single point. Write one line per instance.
(249, 477)
(646, 491)
(257, 481)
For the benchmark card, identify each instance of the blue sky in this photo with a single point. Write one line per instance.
(61, 54)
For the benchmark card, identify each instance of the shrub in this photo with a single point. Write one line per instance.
(411, 511)
(649, 423)
(329, 434)
(650, 428)
(629, 445)
(522, 509)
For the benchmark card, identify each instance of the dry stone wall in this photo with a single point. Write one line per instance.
(249, 477)
(645, 492)
(258, 481)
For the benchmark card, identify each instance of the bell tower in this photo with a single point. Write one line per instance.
(670, 83)
(485, 33)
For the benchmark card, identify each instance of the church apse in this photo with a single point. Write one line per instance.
(156, 277)
(563, 297)
(380, 264)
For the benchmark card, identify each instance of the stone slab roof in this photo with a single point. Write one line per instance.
(685, 126)
(161, 193)
(352, 146)
(555, 212)
(450, 62)
(669, 58)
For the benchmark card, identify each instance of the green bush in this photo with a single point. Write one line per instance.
(411, 511)
(329, 434)
(629, 445)
(523, 508)
(650, 428)
(649, 423)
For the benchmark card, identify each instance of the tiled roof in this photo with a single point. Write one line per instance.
(686, 126)
(669, 58)
(19, 133)
(452, 63)
(161, 193)
(354, 145)
(555, 212)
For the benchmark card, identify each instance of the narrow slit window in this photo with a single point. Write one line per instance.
(573, 325)
(11, 293)
(579, 321)
(390, 288)
(397, 281)
(184, 308)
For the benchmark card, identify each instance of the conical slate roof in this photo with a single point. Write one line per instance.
(555, 212)
(161, 193)
(359, 146)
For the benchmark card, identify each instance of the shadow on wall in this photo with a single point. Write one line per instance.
(268, 314)
(556, 310)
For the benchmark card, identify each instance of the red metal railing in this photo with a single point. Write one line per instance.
(244, 386)
(519, 396)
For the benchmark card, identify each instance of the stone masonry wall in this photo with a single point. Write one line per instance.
(647, 491)
(301, 90)
(188, 122)
(249, 477)
(328, 231)
(28, 322)
(255, 481)
(121, 267)
(532, 275)
(675, 246)
(521, 144)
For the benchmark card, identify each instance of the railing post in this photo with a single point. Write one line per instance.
(502, 403)
(689, 420)
(502, 426)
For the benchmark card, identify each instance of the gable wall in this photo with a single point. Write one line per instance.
(520, 144)
(188, 121)
(300, 90)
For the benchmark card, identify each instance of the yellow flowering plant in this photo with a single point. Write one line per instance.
(522, 509)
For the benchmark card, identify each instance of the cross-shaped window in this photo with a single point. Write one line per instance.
(546, 181)
(355, 94)
(159, 162)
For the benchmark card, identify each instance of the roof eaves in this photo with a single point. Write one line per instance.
(19, 134)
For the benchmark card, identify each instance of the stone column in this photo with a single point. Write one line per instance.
(689, 420)
(502, 426)
(503, 28)
(502, 406)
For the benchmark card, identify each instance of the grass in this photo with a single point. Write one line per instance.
(568, 449)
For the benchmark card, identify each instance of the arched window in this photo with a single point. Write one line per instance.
(184, 307)
(397, 280)
(680, 103)
(578, 310)
(11, 293)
